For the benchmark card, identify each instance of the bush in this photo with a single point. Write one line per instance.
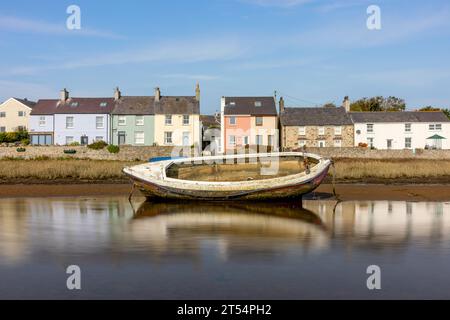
(21, 149)
(25, 142)
(74, 144)
(10, 137)
(98, 145)
(70, 151)
(113, 149)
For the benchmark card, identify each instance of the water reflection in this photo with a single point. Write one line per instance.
(222, 247)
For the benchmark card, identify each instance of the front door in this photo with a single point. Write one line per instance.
(185, 138)
(84, 140)
(121, 136)
(389, 143)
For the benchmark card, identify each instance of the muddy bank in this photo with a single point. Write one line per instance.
(346, 192)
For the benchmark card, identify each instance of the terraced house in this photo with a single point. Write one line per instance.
(248, 121)
(177, 119)
(14, 114)
(133, 120)
(315, 127)
(67, 120)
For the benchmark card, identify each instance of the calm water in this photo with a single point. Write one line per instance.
(197, 251)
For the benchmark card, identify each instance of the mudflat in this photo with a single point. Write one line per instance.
(346, 192)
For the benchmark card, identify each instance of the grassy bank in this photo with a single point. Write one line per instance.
(347, 170)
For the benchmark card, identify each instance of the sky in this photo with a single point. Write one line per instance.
(310, 51)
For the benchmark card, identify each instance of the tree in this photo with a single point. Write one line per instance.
(379, 103)
(329, 105)
(431, 108)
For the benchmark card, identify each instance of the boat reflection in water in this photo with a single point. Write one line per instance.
(223, 250)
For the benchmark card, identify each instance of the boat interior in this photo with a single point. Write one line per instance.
(240, 169)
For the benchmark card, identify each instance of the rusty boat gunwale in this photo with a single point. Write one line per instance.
(151, 180)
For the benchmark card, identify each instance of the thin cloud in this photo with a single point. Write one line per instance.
(277, 3)
(16, 24)
(203, 77)
(19, 89)
(174, 52)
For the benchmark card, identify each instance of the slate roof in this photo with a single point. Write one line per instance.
(74, 106)
(246, 106)
(26, 102)
(315, 117)
(177, 105)
(399, 116)
(128, 105)
(208, 121)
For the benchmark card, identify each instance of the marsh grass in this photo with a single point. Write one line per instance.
(44, 169)
(62, 169)
(391, 169)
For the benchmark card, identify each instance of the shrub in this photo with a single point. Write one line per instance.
(10, 137)
(21, 149)
(98, 145)
(70, 151)
(113, 149)
(74, 144)
(25, 142)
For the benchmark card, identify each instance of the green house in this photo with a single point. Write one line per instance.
(133, 120)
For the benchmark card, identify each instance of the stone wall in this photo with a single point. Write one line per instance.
(127, 153)
(365, 153)
(291, 137)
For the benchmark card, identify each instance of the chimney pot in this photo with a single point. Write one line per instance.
(117, 94)
(346, 104)
(157, 94)
(64, 95)
(281, 105)
(197, 92)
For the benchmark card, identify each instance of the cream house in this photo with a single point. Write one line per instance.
(14, 114)
(177, 120)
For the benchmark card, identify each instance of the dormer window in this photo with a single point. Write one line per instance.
(74, 104)
(232, 103)
(103, 104)
(258, 103)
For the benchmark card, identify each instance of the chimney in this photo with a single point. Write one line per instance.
(117, 94)
(281, 105)
(346, 104)
(64, 95)
(157, 94)
(197, 92)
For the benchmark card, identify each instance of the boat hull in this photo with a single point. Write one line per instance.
(153, 190)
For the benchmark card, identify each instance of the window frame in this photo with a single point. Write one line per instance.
(261, 123)
(321, 130)
(42, 121)
(69, 142)
(257, 138)
(97, 124)
(371, 126)
(410, 142)
(408, 127)
(232, 138)
(188, 119)
(166, 135)
(67, 122)
(168, 121)
(136, 133)
(122, 120)
(337, 130)
(139, 121)
(232, 123)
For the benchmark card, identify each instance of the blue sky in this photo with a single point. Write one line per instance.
(310, 51)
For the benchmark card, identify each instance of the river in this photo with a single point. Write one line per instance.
(223, 251)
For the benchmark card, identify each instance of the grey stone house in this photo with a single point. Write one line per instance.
(315, 127)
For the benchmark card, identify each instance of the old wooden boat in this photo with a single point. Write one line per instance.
(231, 177)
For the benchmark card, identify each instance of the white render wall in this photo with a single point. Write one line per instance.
(35, 127)
(83, 125)
(396, 131)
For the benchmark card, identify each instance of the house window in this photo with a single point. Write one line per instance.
(438, 127)
(185, 120)
(301, 131)
(431, 127)
(338, 143)
(370, 142)
(337, 131)
(321, 143)
(259, 121)
(21, 128)
(321, 131)
(407, 127)
(69, 140)
(99, 122)
(103, 104)
(246, 142)
(2, 129)
(74, 104)
(42, 121)
(139, 120)
(122, 121)
(168, 120)
(259, 139)
(168, 137)
(2, 114)
(258, 103)
(370, 128)
(302, 143)
(21, 114)
(232, 121)
(408, 143)
(389, 143)
(69, 122)
(232, 140)
(139, 138)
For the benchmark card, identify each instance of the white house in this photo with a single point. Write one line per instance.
(402, 130)
(68, 120)
(14, 114)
